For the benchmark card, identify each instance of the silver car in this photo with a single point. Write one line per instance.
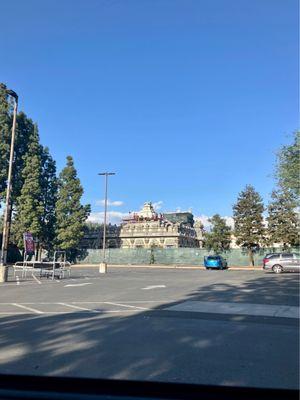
(280, 262)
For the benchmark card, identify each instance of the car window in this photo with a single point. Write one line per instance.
(287, 255)
(273, 256)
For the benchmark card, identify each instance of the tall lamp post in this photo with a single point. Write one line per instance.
(7, 212)
(103, 264)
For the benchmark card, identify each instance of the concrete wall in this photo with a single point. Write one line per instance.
(181, 256)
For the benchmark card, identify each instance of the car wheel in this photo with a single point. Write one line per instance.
(277, 269)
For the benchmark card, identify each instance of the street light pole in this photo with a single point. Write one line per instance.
(7, 212)
(103, 264)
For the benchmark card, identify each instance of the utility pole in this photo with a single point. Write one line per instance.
(103, 264)
(7, 212)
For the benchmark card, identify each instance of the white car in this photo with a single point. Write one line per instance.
(280, 262)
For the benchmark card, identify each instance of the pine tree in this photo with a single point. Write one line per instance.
(5, 133)
(283, 222)
(248, 220)
(29, 208)
(24, 130)
(70, 214)
(288, 167)
(219, 237)
(48, 197)
(25, 133)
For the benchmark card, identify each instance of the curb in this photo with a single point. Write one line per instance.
(164, 267)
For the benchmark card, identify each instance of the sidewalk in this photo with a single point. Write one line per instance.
(160, 266)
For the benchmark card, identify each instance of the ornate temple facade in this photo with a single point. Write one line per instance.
(147, 229)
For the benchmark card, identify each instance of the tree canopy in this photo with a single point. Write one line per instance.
(248, 220)
(70, 214)
(219, 238)
(48, 197)
(29, 209)
(283, 219)
(288, 166)
(24, 132)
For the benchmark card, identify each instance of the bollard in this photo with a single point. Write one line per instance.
(103, 268)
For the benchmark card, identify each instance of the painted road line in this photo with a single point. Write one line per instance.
(18, 280)
(125, 305)
(79, 308)
(153, 287)
(36, 279)
(123, 311)
(78, 284)
(262, 310)
(27, 308)
(129, 301)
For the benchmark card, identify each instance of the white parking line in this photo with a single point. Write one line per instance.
(127, 301)
(125, 305)
(36, 279)
(79, 308)
(94, 307)
(153, 287)
(78, 284)
(122, 311)
(28, 308)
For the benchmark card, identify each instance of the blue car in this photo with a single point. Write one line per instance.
(215, 262)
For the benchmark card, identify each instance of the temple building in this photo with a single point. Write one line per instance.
(93, 237)
(147, 229)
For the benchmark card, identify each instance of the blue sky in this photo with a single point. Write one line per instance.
(187, 101)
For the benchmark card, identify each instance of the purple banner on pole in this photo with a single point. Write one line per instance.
(28, 243)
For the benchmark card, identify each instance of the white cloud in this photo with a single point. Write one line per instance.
(205, 220)
(115, 203)
(229, 221)
(113, 217)
(157, 205)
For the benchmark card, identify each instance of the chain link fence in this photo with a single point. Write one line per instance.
(180, 256)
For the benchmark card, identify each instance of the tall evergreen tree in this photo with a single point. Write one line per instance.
(288, 167)
(24, 130)
(248, 220)
(219, 238)
(283, 219)
(29, 209)
(48, 198)
(70, 214)
(5, 132)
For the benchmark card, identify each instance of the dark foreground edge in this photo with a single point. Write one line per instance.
(42, 387)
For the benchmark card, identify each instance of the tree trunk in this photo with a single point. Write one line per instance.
(251, 259)
(40, 252)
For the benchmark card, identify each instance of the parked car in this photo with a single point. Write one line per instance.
(215, 262)
(268, 256)
(280, 262)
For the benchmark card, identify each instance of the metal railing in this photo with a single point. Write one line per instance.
(57, 268)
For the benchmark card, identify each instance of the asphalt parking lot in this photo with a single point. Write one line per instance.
(212, 327)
